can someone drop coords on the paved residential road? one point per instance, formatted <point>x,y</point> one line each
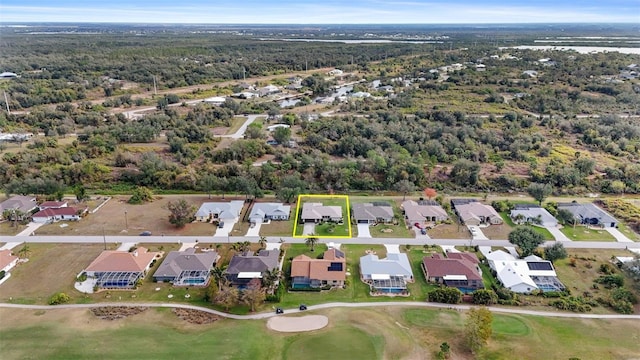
<point>265,315</point>
<point>292,240</point>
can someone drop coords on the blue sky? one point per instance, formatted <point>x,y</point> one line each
<point>321,12</point>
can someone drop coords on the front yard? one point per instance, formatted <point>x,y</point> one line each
<point>582,233</point>
<point>325,228</point>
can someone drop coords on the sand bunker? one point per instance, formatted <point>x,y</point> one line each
<point>296,324</point>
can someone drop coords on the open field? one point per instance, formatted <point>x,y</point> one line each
<point>153,216</point>
<point>582,233</point>
<point>382,333</point>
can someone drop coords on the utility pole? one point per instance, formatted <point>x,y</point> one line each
<point>244,74</point>
<point>104,238</point>
<point>126,224</point>
<point>6,102</point>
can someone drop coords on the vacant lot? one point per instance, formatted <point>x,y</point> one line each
<point>117,217</point>
<point>51,268</point>
<point>382,333</point>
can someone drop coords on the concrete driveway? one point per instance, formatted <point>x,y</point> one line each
<point>309,228</point>
<point>557,234</point>
<point>31,227</point>
<point>363,231</point>
<point>255,230</point>
<point>620,237</point>
<point>476,233</point>
<point>225,230</point>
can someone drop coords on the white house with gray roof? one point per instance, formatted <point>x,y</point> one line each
<point>263,212</point>
<point>527,213</point>
<point>372,213</point>
<point>186,268</point>
<point>589,214</point>
<point>23,205</point>
<point>389,275</point>
<point>211,211</point>
<point>317,212</point>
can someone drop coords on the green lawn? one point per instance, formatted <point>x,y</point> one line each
<point>487,278</point>
<point>540,230</point>
<point>391,231</point>
<point>628,232</point>
<point>419,289</point>
<point>582,233</point>
<point>353,341</point>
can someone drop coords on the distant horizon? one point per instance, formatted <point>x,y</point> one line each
<point>316,12</point>
<point>14,23</point>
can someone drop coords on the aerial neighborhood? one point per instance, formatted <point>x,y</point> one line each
<point>309,191</point>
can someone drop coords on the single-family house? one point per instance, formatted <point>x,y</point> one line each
<point>589,214</point>
<point>8,75</point>
<point>524,275</point>
<point>186,268</point>
<point>114,269</point>
<point>263,212</point>
<point>388,275</point>
<point>53,205</point>
<point>473,212</point>
<point>372,213</point>
<point>328,271</point>
<point>50,215</point>
<point>215,100</point>
<point>335,72</point>
<point>23,205</point>
<point>219,211</point>
<point>459,270</point>
<point>248,268</point>
<point>7,260</point>
<point>533,214</point>
<point>268,90</point>
<point>273,127</point>
<point>423,211</point>
<point>317,212</point>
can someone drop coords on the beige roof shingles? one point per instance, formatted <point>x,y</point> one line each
<point>113,260</point>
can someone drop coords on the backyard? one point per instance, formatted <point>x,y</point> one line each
<point>381,333</point>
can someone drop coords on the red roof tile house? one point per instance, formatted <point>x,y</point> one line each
<point>458,270</point>
<point>50,215</point>
<point>114,269</point>
<point>328,271</point>
<point>7,260</point>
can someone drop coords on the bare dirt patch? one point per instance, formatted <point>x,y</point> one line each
<point>116,312</point>
<point>297,324</point>
<point>195,316</point>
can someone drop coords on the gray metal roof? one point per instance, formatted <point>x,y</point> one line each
<point>587,211</point>
<point>265,260</point>
<point>369,211</point>
<point>179,261</point>
<point>395,264</point>
<point>271,209</point>
<point>224,210</point>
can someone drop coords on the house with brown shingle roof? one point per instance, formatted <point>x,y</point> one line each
<point>114,269</point>
<point>473,212</point>
<point>328,271</point>
<point>458,270</point>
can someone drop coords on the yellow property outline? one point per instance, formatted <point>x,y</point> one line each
<point>347,220</point>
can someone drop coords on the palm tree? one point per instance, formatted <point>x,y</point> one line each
<point>24,252</point>
<point>262,242</point>
<point>311,241</point>
<point>218,274</point>
<point>270,277</point>
<point>241,246</point>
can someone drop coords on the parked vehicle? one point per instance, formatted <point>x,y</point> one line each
<point>220,224</point>
<point>303,307</point>
<point>279,311</point>
<point>145,233</point>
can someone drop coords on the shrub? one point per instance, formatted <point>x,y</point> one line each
<point>445,295</point>
<point>484,297</point>
<point>622,307</point>
<point>82,277</point>
<point>622,294</point>
<point>610,281</point>
<point>607,269</point>
<point>59,298</point>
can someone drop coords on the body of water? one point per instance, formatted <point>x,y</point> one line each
<point>580,49</point>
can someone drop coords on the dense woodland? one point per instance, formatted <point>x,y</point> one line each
<point>465,130</point>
